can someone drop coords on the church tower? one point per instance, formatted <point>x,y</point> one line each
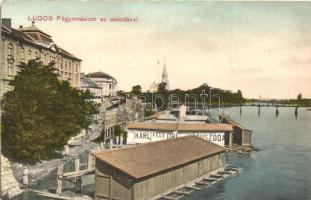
<point>165,77</point>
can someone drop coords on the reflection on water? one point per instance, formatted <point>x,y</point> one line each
<point>281,169</point>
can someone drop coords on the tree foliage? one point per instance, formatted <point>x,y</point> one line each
<point>41,113</point>
<point>136,90</point>
<point>162,88</point>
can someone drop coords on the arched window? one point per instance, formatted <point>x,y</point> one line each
<point>10,49</point>
<point>29,54</point>
<point>22,51</point>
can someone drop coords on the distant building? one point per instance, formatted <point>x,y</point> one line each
<point>26,43</point>
<point>88,84</point>
<point>154,86</point>
<point>105,81</point>
<point>152,170</point>
<point>165,77</point>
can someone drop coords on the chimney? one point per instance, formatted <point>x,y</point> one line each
<point>6,22</point>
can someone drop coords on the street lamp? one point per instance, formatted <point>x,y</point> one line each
<point>219,97</point>
<point>203,100</point>
<point>195,99</point>
<point>210,98</point>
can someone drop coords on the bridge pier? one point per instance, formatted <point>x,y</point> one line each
<point>296,111</point>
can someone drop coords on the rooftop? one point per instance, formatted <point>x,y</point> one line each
<point>148,159</point>
<point>34,36</point>
<point>100,75</point>
<point>86,82</point>
<point>180,126</point>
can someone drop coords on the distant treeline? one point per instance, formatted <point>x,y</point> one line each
<point>224,97</point>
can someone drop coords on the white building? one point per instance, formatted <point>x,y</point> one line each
<point>144,132</point>
<point>105,81</point>
<point>88,84</point>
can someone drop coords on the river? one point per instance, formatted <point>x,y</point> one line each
<point>280,169</point>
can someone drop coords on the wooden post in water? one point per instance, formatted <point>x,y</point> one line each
<point>66,149</point>
<point>230,139</point>
<point>25,177</point>
<point>59,179</point>
<point>277,111</point>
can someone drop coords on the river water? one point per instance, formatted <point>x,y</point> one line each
<point>280,169</point>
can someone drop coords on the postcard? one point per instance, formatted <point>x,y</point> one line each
<point>146,100</point>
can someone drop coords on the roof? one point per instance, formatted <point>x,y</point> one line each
<point>100,75</point>
<point>35,37</point>
<point>156,115</point>
<point>154,157</point>
<point>88,82</point>
<point>33,28</point>
<point>179,126</point>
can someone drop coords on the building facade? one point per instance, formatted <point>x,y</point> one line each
<point>27,43</point>
<point>106,82</point>
<point>152,170</point>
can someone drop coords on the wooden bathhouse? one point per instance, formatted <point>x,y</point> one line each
<point>151,170</point>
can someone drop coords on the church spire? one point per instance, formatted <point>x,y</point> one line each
<point>164,76</point>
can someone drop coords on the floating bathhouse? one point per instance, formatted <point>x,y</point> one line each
<point>149,171</point>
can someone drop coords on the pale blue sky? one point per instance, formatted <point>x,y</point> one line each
<point>262,48</point>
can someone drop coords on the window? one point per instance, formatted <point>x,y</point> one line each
<point>10,49</point>
<point>29,54</point>
<point>65,65</point>
<point>36,54</point>
<point>10,68</point>
<point>22,51</point>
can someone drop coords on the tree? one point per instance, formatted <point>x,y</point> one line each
<point>136,90</point>
<point>41,113</point>
<point>299,96</point>
<point>162,88</point>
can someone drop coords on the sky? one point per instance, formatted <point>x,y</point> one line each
<point>261,48</point>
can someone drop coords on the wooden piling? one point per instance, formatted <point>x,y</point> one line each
<point>25,177</point>
<point>78,177</point>
<point>59,179</point>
